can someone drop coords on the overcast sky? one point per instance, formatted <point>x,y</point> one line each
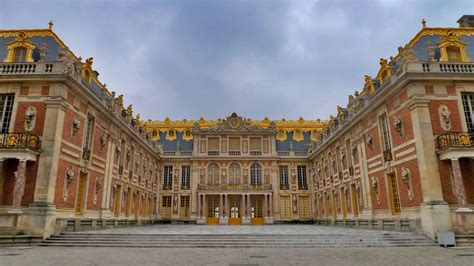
<point>187,59</point>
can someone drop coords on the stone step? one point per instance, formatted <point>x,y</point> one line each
<point>283,245</point>
<point>236,242</point>
<point>20,240</point>
<point>232,239</point>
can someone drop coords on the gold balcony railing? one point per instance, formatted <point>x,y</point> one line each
<point>20,141</point>
<point>455,140</point>
<point>242,187</point>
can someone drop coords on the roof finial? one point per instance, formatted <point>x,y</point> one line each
<point>51,24</point>
<point>423,23</point>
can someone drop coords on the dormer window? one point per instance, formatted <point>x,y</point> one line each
<point>20,50</point>
<point>454,54</point>
<point>19,55</point>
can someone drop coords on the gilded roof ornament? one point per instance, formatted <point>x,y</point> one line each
<point>51,24</point>
<point>423,23</point>
<point>129,110</point>
<point>368,85</point>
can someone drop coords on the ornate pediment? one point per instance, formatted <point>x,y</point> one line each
<point>234,124</point>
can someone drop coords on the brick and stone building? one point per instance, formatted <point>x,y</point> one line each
<point>398,155</point>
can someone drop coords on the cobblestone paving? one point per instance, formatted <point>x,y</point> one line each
<point>147,256</point>
<point>244,229</point>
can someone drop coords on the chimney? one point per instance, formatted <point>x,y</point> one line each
<point>466,21</point>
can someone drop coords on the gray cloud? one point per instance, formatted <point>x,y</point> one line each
<point>187,59</point>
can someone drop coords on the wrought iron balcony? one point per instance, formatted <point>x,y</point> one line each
<point>20,141</point>
<point>455,140</point>
<point>285,186</point>
<point>241,187</point>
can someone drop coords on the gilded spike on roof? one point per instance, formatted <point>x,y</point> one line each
<point>51,24</point>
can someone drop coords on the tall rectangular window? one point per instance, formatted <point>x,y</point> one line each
<point>6,107</point>
<point>284,184</point>
<point>185,177</point>
<point>168,177</point>
<point>387,144</point>
<point>88,134</point>
<point>213,146</point>
<point>234,146</point>
<point>468,106</point>
<point>255,146</point>
<point>302,180</point>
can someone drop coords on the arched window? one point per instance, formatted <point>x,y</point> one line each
<point>213,174</point>
<point>234,174</point>
<point>255,174</point>
<point>19,54</point>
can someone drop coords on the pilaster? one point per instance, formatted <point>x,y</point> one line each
<point>434,211</point>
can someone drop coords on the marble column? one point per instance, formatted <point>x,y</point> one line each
<point>459,186</point>
<point>199,206</point>
<point>19,189</point>
<point>221,206</point>
<point>247,207</point>
<point>2,178</point>
<point>270,197</point>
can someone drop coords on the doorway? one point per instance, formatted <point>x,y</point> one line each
<point>256,210</point>
<point>235,208</point>
<point>213,210</point>
<point>81,194</point>
<point>394,195</point>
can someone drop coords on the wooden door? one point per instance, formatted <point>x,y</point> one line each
<point>127,202</point>
<point>355,203</point>
<point>343,203</point>
<point>136,205</point>
<point>118,193</point>
<point>166,207</point>
<point>394,196</point>
<point>213,210</point>
<point>256,210</point>
<point>81,193</point>
<point>334,204</point>
<point>285,207</point>
<point>235,208</point>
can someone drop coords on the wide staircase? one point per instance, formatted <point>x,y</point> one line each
<point>94,239</point>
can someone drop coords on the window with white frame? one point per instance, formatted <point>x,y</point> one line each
<point>302,178</point>
<point>234,174</point>
<point>213,174</point>
<point>255,174</point>
<point>284,183</point>
<point>468,106</point>
<point>6,107</point>
<point>168,177</point>
<point>185,176</point>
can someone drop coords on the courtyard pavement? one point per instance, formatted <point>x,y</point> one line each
<point>237,257</point>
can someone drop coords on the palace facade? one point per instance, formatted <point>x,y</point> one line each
<point>399,155</point>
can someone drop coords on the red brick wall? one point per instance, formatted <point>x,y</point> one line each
<point>19,126</point>
<point>455,116</point>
